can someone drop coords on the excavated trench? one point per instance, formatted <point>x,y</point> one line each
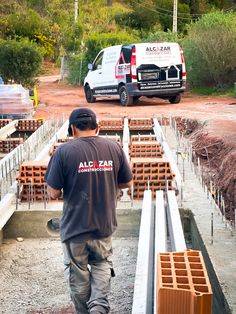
<point>217,159</point>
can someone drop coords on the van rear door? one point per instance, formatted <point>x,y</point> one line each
<point>159,66</point>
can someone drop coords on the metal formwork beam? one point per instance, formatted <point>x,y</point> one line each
<point>125,142</point>
<point>160,224</point>
<point>143,286</point>
<point>174,224</point>
<point>160,237</point>
<point>126,138</point>
<point>6,209</point>
<point>8,129</point>
<point>162,140</point>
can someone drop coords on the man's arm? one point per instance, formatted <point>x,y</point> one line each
<point>53,193</point>
<point>125,185</point>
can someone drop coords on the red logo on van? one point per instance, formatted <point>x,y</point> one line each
<point>158,50</point>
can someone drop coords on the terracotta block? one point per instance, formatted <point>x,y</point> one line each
<point>28,124</point>
<point>111,124</point>
<point>4,122</point>
<point>183,286</point>
<point>143,138</point>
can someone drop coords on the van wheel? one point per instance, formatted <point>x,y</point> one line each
<point>175,99</point>
<point>89,94</point>
<point>125,99</point>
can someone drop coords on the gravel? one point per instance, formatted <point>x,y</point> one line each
<point>31,277</point>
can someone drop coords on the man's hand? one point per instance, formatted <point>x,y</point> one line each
<point>53,193</point>
<point>125,185</point>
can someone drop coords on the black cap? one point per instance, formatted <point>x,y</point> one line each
<point>81,114</point>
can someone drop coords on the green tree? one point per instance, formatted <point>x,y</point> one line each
<point>20,61</point>
<point>142,17</point>
<point>165,14</point>
<point>26,24</point>
<point>210,50</point>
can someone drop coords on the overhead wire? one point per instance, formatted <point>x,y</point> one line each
<point>180,15</point>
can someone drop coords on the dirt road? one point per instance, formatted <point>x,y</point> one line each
<point>218,113</point>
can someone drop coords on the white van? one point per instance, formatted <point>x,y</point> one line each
<point>135,70</point>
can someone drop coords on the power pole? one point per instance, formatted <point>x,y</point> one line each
<point>76,10</point>
<point>175,9</point>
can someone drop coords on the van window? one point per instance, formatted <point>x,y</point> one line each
<point>98,61</point>
<point>127,51</point>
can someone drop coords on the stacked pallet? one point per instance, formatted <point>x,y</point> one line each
<point>183,286</point>
<point>30,125</point>
<point>15,101</point>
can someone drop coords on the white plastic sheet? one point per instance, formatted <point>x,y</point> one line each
<point>15,101</point>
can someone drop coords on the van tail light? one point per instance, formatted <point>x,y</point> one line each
<point>183,65</point>
<point>133,64</point>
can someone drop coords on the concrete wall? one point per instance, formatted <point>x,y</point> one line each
<point>34,224</point>
<point>220,304</point>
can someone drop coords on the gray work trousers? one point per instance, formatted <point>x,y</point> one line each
<point>88,270</point>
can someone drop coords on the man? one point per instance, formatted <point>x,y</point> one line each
<point>89,170</point>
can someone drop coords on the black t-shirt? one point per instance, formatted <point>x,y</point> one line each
<point>88,170</point>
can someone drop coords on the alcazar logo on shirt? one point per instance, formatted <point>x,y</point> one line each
<point>93,166</point>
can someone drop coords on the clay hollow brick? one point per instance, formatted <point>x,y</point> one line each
<point>183,286</point>
<point>28,124</point>
<point>4,122</point>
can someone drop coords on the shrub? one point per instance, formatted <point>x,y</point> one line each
<point>19,61</point>
<point>161,36</point>
<point>210,50</point>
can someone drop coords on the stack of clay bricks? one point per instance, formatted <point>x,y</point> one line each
<point>60,141</point>
<point>183,286</point>
<point>115,138</point>
<point>30,125</point>
<point>53,148</point>
<point>145,149</point>
<point>153,173</point>
<point>141,138</point>
<point>8,144</point>
<point>141,124</point>
<point>111,124</point>
<point>31,181</point>
<point>4,122</point>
